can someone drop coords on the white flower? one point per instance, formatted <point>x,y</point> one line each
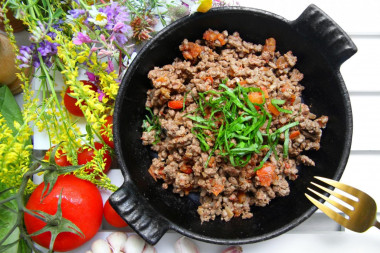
<point>198,5</point>
<point>98,18</point>
<point>192,5</point>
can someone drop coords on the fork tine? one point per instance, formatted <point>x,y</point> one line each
<point>338,195</point>
<point>333,202</point>
<point>346,188</point>
<point>329,212</point>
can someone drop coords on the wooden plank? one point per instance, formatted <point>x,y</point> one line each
<point>290,242</point>
<point>355,18</point>
<point>360,71</point>
<point>365,109</point>
<point>362,172</point>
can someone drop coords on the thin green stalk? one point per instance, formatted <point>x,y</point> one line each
<point>54,96</point>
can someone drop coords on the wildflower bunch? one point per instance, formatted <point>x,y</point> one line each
<point>69,38</point>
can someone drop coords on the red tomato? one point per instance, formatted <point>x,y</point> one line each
<point>70,101</point>
<point>109,123</point>
<point>81,204</point>
<point>85,155</point>
<point>112,217</point>
<point>61,160</point>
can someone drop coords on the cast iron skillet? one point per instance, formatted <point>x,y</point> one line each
<point>321,47</point>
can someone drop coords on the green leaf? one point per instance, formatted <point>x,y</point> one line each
<point>8,219</point>
<point>10,247</point>
<point>9,108</point>
<point>57,13</point>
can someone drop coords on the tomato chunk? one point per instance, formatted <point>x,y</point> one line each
<point>273,109</point>
<point>175,104</point>
<point>255,97</point>
<point>266,174</point>
<point>294,134</point>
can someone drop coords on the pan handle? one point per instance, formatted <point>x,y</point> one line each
<point>137,212</point>
<point>320,28</point>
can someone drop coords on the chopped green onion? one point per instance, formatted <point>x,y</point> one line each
<point>276,102</point>
<point>240,127</point>
<point>150,123</point>
<point>286,143</point>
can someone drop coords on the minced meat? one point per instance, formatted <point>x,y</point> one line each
<point>228,191</point>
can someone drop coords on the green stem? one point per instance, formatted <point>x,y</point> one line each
<point>54,95</point>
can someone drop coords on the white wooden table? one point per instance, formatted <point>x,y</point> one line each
<point>361,20</point>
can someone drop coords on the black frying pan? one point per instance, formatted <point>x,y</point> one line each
<point>321,47</point>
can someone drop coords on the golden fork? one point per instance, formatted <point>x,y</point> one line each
<point>360,212</point>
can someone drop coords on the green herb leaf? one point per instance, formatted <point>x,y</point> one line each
<point>286,143</point>
<point>8,219</point>
<point>9,108</point>
<point>151,123</point>
<point>276,102</point>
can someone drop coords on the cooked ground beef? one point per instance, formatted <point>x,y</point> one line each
<point>225,190</point>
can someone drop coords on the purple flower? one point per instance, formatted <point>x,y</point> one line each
<point>25,56</point>
<point>47,48</point>
<point>92,77</point>
<point>101,95</point>
<point>56,26</point>
<point>29,54</point>
<point>118,19</point>
<point>81,38</point>
<point>76,13</point>
<point>36,61</point>
<point>110,67</point>
<point>115,13</point>
<point>52,35</point>
<point>119,26</point>
<point>120,38</point>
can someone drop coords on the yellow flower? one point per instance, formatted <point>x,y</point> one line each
<point>200,5</point>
